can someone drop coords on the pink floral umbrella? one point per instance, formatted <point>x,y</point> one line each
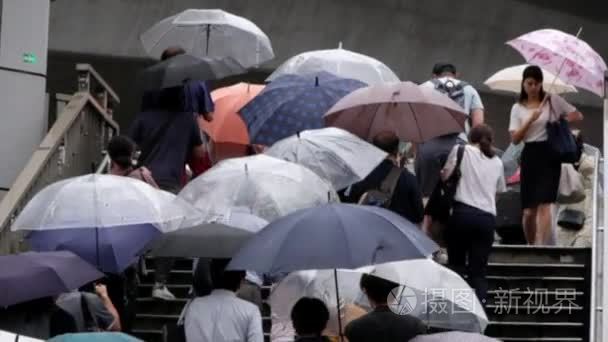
<point>569,57</point>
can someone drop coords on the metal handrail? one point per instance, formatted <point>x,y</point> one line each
<point>597,243</point>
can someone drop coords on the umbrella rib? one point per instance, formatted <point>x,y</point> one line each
<point>416,119</point>
<point>372,120</point>
<point>161,38</point>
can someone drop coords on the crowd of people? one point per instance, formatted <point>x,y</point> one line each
<point>168,137</point>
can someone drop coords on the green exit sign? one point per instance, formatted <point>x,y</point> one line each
<point>30,58</point>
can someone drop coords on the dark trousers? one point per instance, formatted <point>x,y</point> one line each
<point>164,265</point>
<point>469,237</point>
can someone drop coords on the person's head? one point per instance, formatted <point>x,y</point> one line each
<point>121,150</point>
<point>309,316</point>
<point>172,52</point>
<point>444,70</point>
<point>388,142</point>
<point>223,279</point>
<point>532,84</point>
<point>483,135</point>
<point>376,289</point>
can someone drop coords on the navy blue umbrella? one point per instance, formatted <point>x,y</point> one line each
<point>294,103</point>
<point>333,236</point>
<point>33,275</point>
<point>111,249</point>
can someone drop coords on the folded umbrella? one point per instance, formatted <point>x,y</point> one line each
<point>340,62</point>
<point>95,337</point>
<point>332,153</point>
<point>510,79</point>
<point>220,239</point>
<point>292,103</point>
<point>333,236</point>
<point>177,70</point>
<point>268,187</point>
<point>567,56</point>
<point>34,275</point>
<point>414,113</point>
<point>210,33</point>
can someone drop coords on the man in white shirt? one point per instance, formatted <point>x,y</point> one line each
<point>221,316</point>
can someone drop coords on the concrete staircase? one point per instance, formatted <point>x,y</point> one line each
<point>536,294</point>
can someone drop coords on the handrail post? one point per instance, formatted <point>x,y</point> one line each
<point>91,82</point>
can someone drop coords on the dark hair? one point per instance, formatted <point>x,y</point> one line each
<point>309,316</point>
<point>172,52</point>
<point>121,149</point>
<point>484,136</point>
<point>377,289</point>
<point>536,73</point>
<point>441,68</point>
<point>226,280</point>
<point>387,141</point>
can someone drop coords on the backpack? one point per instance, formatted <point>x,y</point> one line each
<point>454,90</point>
<point>383,195</point>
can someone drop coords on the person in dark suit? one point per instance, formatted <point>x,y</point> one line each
<point>309,317</point>
<point>381,324</point>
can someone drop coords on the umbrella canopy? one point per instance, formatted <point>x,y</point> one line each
<point>95,337</point>
<point>32,275</point>
<point>104,201</point>
<point>177,70</point>
<point>221,239</point>
<point>332,153</point>
<point>210,33</point>
<point>340,62</point>
<point>565,55</point>
<point>510,79</point>
<point>227,130</point>
<point>6,336</point>
<point>454,336</point>
<point>293,103</point>
<point>414,113</point>
<point>333,236</point>
<point>268,187</point>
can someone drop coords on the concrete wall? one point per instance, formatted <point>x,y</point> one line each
<point>408,35</point>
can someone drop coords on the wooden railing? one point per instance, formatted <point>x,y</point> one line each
<point>73,146</point>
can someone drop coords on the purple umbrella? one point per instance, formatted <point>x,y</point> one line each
<point>34,275</point>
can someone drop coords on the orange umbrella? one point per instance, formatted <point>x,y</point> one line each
<point>228,132</point>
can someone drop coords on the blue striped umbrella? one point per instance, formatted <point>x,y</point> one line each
<point>294,103</point>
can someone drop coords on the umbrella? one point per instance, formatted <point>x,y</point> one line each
<point>509,79</point>
<point>454,336</point>
<point>340,62</point>
<point>210,33</point>
<point>333,236</point>
<point>177,70</point>
<point>572,59</point>
<point>227,130</point>
<point>95,337</point>
<point>293,103</point>
<point>6,336</point>
<point>332,153</point>
<point>220,239</point>
<point>268,187</point>
<point>33,275</point>
<point>414,113</point>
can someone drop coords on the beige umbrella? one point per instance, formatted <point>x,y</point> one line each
<point>509,79</point>
<point>414,113</point>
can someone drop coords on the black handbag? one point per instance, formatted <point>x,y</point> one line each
<point>561,139</point>
<point>441,201</point>
<point>571,219</point>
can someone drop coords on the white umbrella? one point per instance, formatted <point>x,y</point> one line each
<point>509,79</point>
<point>267,186</point>
<point>210,33</point>
<point>104,201</point>
<point>332,153</point>
<point>340,62</point>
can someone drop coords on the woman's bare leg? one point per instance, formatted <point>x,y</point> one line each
<point>544,225</point>
<point>529,223</point>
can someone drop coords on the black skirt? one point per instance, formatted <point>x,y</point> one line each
<point>540,173</point>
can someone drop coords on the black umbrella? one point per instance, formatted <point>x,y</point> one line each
<point>176,70</point>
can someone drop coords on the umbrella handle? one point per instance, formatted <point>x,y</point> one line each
<point>559,71</point>
<point>338,306</point>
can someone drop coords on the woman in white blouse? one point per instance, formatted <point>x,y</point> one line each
<point>470,231</point>
<point>540,168</point>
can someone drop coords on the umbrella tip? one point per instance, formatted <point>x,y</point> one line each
<point>298,134</point>
<point>340,45</point>
<point>316,81</point>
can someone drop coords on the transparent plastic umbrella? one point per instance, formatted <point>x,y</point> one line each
<point>332,153</point>
<point>509,80</point>
<point>268,187</point>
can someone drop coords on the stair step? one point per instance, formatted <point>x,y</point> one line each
<point>499,297</point>
<point>511,283</point>
<point>153,321</point>
<point>179,290</point>
<point>539,254</point>
<point>182,277</point>
<point>182,264</point>
<point>536,313</point>
<point>529,269</point>
<point>149,335</point>
<point>151,305</point>
<point>528,330</point>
